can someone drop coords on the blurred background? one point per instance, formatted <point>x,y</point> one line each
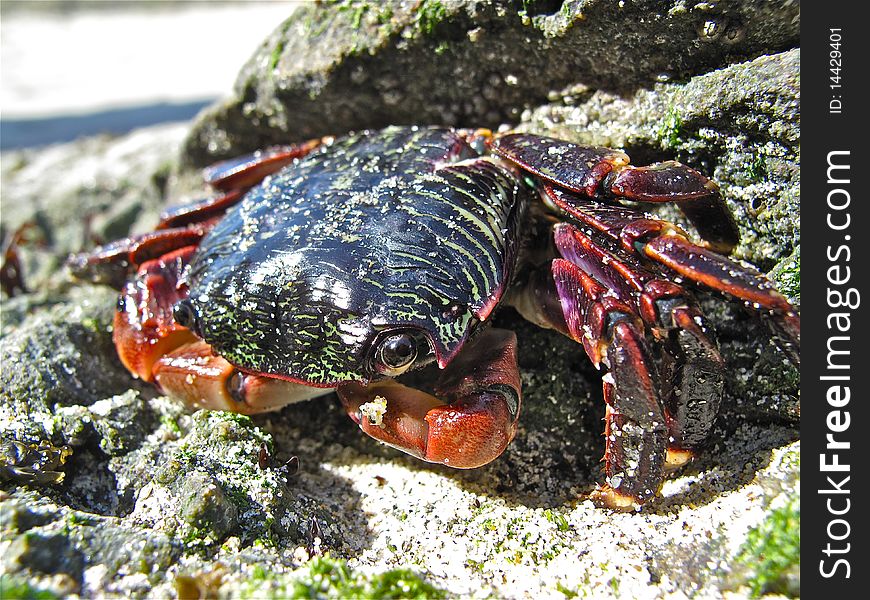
<point>70,68</point>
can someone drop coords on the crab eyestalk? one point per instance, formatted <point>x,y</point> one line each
<point>467,423</point>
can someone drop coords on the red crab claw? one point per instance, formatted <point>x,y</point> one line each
<point>467,423</point>
<point>144,329</point>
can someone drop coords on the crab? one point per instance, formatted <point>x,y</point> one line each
<point>370,265</point>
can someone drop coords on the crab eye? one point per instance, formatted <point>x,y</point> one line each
<point>184,314</point>
<point>395,354</point>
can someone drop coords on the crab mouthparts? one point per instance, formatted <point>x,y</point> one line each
<point>469,419</point>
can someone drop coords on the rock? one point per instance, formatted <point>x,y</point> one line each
<point>740,123</point>
<point>350,65</point>
<point>205,506</point>
<point>47,554</point>
<point>122,422</point>
<point>61,355</point>
<point>82,553</point>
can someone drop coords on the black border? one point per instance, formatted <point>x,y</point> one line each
<point>821,133</point>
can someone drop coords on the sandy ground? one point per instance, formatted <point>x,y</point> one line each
<point>58,65</point>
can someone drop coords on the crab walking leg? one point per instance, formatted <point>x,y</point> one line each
<point>186,224</point>
<point>234,177</point>
<point>636,431</point>
<point>469,420</point>
<point>198,211</point>
<point>11,279</point>
<point>594,172</point>
<point>665,244</point>
<point>569,300</point>
<point>722,274</point>
<point>690,366</point>
<point>113,263</point>
<point>195,375</point>
<point>248,170</point>
<point>696,195</point>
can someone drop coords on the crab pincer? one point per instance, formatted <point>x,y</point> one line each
<point>466,422</point>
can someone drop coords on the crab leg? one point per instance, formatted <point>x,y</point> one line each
<point>603,298</point>
<point>666,245</point>
<point>185,225</point>
<point>691,368</point>
<point>198,211</point>
<point>234,177</point>
<point>601,172</point>
<point>466,423</point>
<point>636,429</point>
<point>248,170</point>
<point>11,278</point>
<point>113,263</point>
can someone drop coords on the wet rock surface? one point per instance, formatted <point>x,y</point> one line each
<point>471,63</point>
<point>155,500</point>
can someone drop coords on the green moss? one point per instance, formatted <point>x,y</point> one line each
<point>557,519</point>
<point>771,551</point>
<point>259,574</point>
<point>276,55</point>
<point>269,539</point>
<point>474,565</point>
<point>670,129</point>
<point>401,583</point>
<point>791,459</point>
<point>196,537</point>
<point>355,10</point>
<point>170,423</point>
<point>429,15</point>
<point>787,276</point>
<point>94,325</point>
<point>278,50</point>
<point>326,577</point>
<point>238,496</point>
<point>81,519</point>
<point>756,170</point>
<point>14,588</point>
<point>230,427</point>
<point>385,15</point>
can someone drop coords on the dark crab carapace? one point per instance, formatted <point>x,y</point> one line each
<point>370,265</point>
